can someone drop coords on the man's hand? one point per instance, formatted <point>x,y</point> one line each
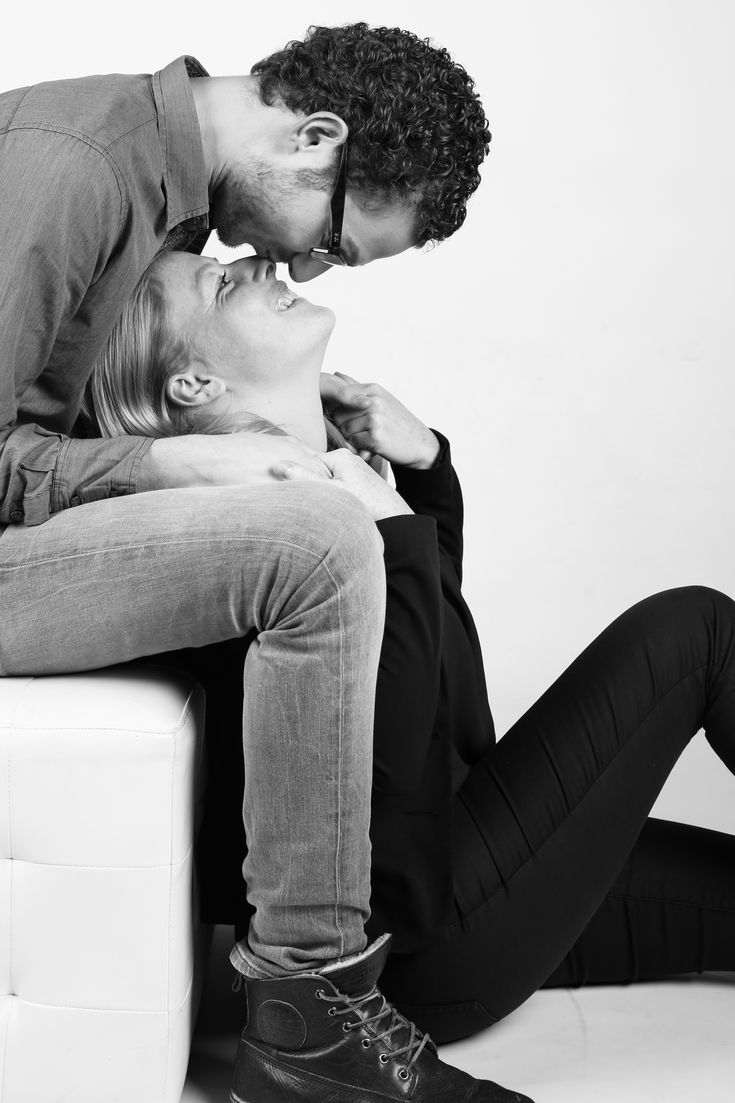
<point>351,473</point>
<point>376,423</point>
<point>224,460</point>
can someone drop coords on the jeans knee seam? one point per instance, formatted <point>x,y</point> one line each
<point>183,543</point>
<point>340,768</point>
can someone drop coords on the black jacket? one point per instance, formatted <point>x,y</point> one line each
<point>432,722</point>
<point>432,718</point>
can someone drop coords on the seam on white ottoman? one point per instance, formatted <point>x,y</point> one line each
<point>109,1010</point>
<point>78,865</point>
<point>164,733</point>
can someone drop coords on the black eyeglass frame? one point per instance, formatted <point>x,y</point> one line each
<point>333,253</point>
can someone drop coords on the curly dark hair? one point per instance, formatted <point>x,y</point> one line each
<point>417,130</point>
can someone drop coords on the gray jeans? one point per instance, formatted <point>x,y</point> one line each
<point>115,580</point>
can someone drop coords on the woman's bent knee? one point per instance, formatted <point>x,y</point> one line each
<point>692,606</point>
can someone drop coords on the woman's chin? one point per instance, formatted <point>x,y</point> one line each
<point>322,315</point>
<point>314,325</point>
<point>330,318</point>
<point>315,309</point>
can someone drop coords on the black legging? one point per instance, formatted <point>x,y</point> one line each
<point>559,877</point>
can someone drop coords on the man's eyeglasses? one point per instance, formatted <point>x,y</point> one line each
<point>333,253</point>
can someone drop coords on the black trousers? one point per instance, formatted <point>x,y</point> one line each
<point>560,877</point>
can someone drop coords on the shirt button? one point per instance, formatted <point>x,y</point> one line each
<point>16,515</point>
<point>75,500</point>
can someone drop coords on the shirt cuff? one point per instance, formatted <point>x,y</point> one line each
<point>419,483</point>
<point>89,470</point>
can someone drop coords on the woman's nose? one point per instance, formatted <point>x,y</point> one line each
<point>256,269</point>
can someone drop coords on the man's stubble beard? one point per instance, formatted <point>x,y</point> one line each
<point>238,207</point>
<point>253,201</point>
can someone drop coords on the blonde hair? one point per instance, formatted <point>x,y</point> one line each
<point>126,393</point>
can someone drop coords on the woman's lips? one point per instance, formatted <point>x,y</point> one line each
<point>285,299</point>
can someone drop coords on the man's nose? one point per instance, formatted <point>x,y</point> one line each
<point>302,268</point>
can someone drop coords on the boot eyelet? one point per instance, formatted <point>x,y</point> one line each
<point>332,1011</point>
<point>366,1043</point>
<point>319,994</point>
<point>347,1027</point>
<point>383,1058</point>
<point>403,1074</point>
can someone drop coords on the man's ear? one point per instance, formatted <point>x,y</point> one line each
<point>318,133</point>
<point>194,387</point>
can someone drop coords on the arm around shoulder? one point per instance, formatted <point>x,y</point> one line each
<point>221,460</point>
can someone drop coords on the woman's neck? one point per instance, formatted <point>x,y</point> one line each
<point>293,404</point>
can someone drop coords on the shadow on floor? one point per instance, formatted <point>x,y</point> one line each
<point>668,1042</point>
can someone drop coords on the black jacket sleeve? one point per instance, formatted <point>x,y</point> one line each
<point>436,493</point>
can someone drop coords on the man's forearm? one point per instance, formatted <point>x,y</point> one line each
<point>221,460</point>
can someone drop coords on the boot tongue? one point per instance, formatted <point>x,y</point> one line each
<point>359,975</point>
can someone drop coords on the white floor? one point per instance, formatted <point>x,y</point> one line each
<point>651,1043</point>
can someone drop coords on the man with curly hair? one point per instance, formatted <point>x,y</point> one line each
<point>348,147</point>
<point>399,114</point>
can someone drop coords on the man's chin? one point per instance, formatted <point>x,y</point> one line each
<point>230,237</point>
<point>235,239</point>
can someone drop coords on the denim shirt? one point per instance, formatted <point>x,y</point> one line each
<point>97,174</point>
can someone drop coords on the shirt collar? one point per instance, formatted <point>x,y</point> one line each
<point>184,171</point>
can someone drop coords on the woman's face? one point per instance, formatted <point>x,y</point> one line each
<point>239,317</point>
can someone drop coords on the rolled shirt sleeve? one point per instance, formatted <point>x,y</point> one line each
<point>44,472</point>
<point>87,470</point>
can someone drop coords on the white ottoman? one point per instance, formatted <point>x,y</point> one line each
<point>100,775</point>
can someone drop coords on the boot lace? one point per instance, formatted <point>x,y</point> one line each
<point>381,1028</point>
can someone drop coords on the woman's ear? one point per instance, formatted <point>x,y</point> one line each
<point>194,387</point>
<point>318,133</point>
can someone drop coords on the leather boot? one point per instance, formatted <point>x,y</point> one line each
<point>331,1037</point>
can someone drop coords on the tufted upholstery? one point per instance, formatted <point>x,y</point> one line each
<point>100,777</point>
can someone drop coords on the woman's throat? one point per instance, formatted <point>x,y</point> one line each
<point>298,414</point>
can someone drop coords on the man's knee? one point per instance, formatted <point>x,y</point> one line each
<point>336,524</point>
<point>355,536</point>
<point>325,545</point>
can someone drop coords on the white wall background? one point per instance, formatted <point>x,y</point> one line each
<point>575,339</point>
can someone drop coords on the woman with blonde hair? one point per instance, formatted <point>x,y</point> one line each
<point>498,866</point>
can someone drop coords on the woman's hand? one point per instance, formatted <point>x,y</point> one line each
<point>376,423</point>
<point>354,475</point>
